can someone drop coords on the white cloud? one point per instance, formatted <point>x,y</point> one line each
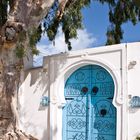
<point>84,40</point>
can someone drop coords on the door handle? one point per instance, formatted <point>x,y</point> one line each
<point>103,112</point>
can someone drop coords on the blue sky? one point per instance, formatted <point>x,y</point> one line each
<point>95,20</point>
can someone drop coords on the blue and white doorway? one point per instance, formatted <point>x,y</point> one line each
<point>89,113</point>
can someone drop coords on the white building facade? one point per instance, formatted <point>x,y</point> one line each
<point>93,95</point>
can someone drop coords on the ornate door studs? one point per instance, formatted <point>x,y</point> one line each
<point>95,90</point>
<point>84,90</point>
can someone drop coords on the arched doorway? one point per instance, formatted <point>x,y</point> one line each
<point>89,113</point>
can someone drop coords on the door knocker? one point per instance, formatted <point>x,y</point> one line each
<point>103,112</point>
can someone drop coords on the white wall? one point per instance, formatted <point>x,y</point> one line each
<point>133,55</point>
<point>33,117</point>
<point>36,120</point>
<point>112,58</point>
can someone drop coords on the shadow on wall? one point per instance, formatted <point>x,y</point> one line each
<point>35,119</point>
<point>45,134</point>
<point>39,79</point>
<point>56,63</point>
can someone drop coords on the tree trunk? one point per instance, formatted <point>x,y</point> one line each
<point>10,67</point>
<point>23,16</point>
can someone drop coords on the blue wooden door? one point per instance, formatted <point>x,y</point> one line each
<point>89,113</point>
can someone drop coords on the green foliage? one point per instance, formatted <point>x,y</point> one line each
<point>20,51</point>
<point>137,138</point>
<point>137,2</point>
<point>70,22</point>
<point>34,37</point>
<point>22,36</point>
<point>3,11</point>
<point>120,12</point>
<point>52,29</point>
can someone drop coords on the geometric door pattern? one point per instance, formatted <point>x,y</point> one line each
<point>89,113</point>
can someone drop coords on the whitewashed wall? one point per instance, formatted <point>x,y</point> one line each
<point>60,67</point>
<point>133,54</point>
<point>45,123</point>
<point>33,117</point>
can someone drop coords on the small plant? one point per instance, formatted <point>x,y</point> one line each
<point>138,138</point>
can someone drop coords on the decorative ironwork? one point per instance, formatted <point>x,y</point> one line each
<point>101,75</point>
<point>100,138</point>
<point>88,106</point>
<point>104,137</point>
<point>103,126</point>
<point>44,101</point>
<point>107,88</point>
<point>135,102</point>
<point>104,105</point>
<point>80,76</point>
<point>76,108</point>
<point>76,123</point>
<point>78,136</point>
<point>73,89</point>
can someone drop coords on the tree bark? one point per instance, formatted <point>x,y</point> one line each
<point>23,16</point>
<point>10,68</point>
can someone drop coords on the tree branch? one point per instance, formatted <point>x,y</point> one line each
<point>62,5</point>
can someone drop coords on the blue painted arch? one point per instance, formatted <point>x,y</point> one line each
<point>89,113</point>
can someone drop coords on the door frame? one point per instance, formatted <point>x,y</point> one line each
<point>58,101</point>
